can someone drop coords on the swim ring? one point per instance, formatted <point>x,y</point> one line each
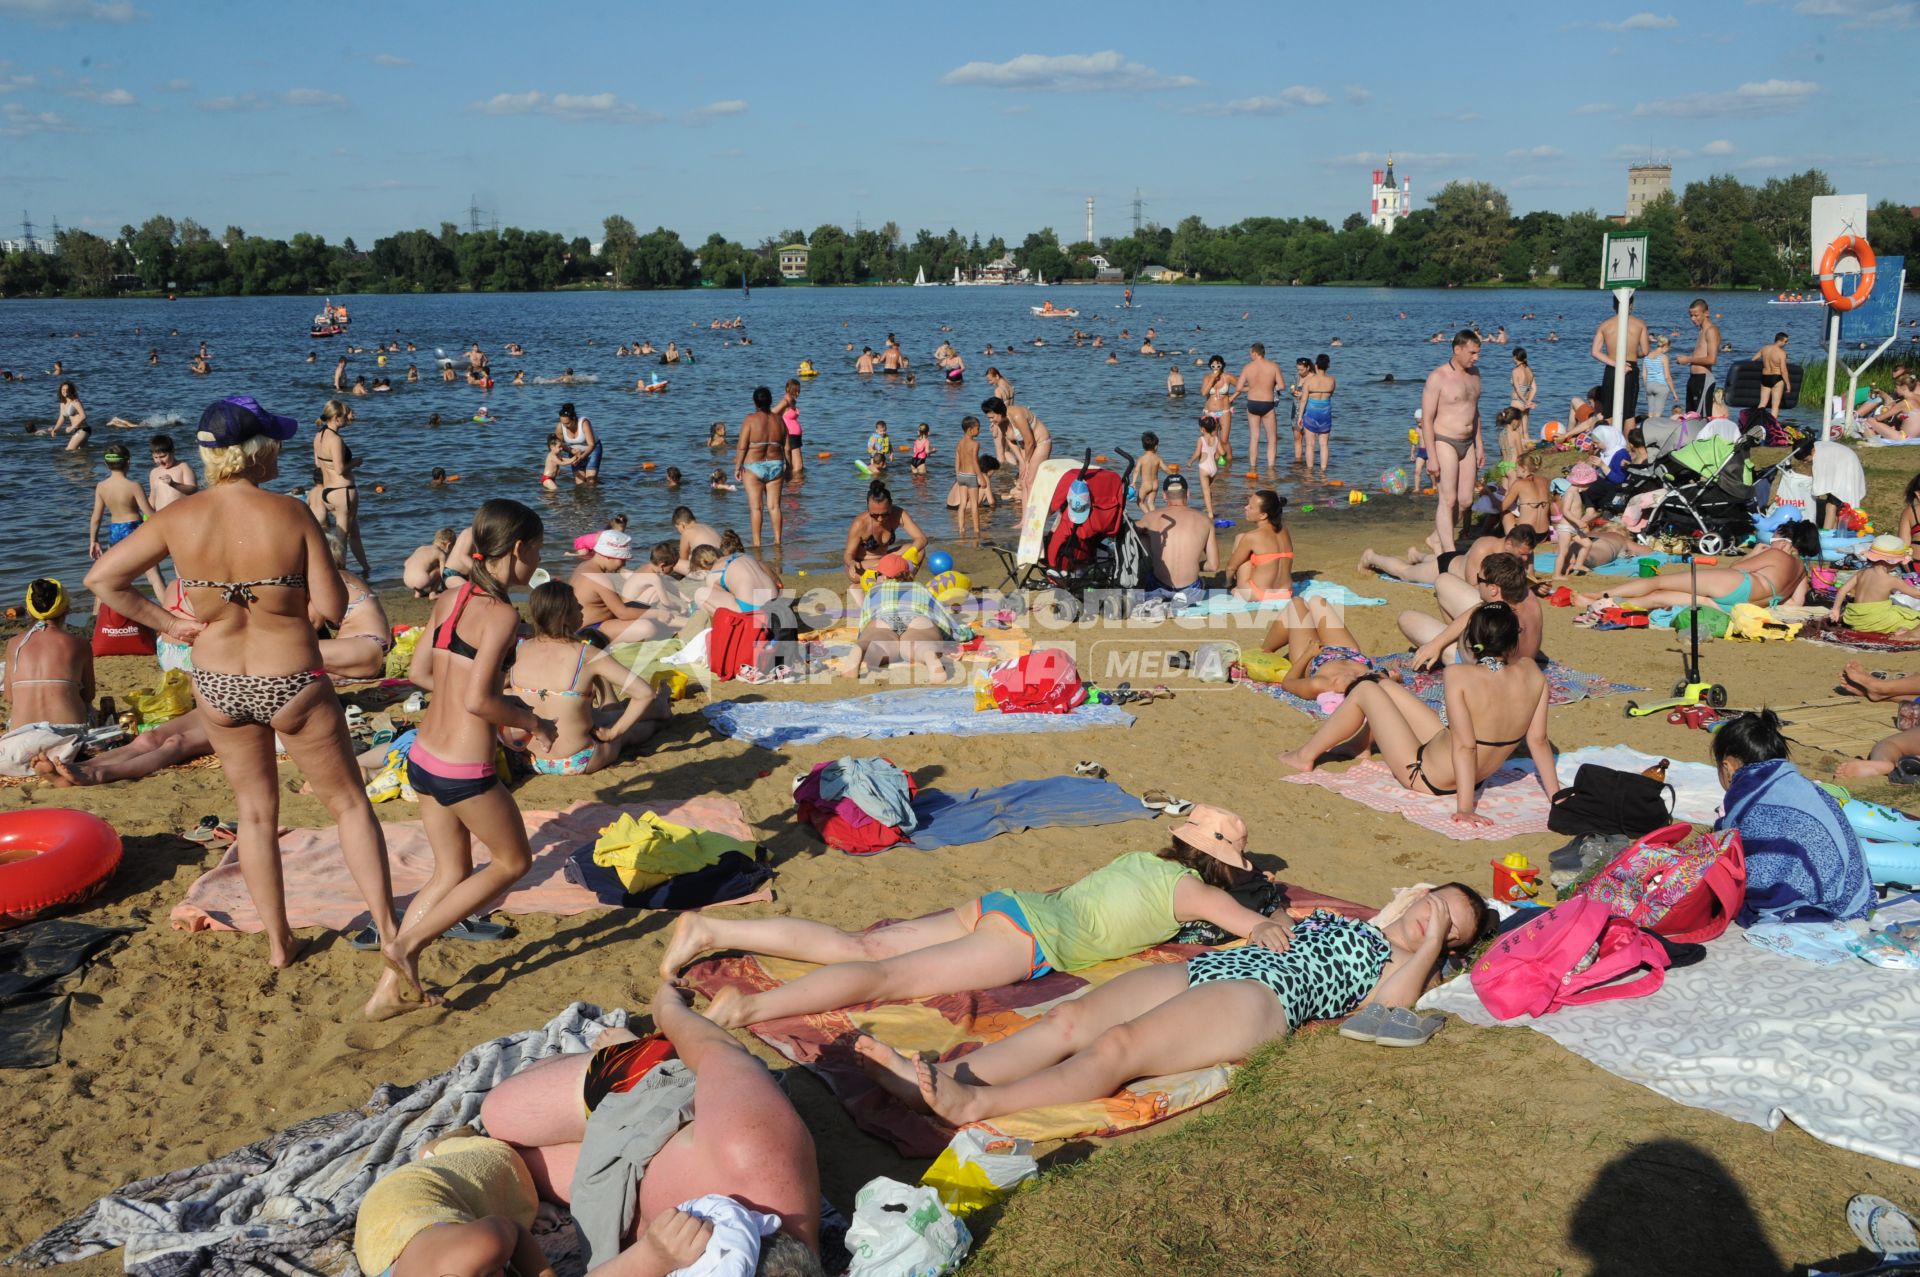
<point>1889,862</point>
<point>52,856</point>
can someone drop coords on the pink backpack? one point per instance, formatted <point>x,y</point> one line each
<point>1685,884</point>
<point>1571,954</point>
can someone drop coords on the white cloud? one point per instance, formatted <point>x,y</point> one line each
<point>18,121</point>
<point>313,97</point>
<point>266,102</point>
<point>1102,72</point>
<point>12,81</point>
<point>1719,146</point>
<point>715,111</point>
<point>391,60</point>
<point>604,107</point>
<point>1358,95</point>
<point>1297,95</point>
<point>87,91</point>
<point>1642,22</point>
<point>1537,153</point>
<point>59,13</point>
<point>1635,154</point>
<point>1595,108</point>
<point>1860,15</point>
<point>177,86</point>
<point>1763,97</point>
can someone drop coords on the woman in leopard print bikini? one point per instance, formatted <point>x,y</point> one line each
<point>1213,1009</point>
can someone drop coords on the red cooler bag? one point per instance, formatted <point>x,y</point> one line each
<point>1041,682</point>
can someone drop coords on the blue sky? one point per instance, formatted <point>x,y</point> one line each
<point>357,119</point>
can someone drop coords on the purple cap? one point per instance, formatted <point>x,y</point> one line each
<point>238,418</point>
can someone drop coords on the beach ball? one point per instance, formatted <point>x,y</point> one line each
<point>1394,481</point>
<point>1550,431</point>
<point>824,455</point>
<point>1253,474</point>
<point>950,587</point>
<point>940,561</point>
<point>648,465</point>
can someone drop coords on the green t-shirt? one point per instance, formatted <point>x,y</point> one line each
<point>1121,908</point>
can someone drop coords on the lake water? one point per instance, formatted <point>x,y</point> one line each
<point>259,347</point>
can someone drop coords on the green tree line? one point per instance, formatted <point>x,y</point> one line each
<point>1716,233</point>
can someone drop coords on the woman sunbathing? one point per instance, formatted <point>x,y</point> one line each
<point>1581,552</point>
<point>1767,575</point>
<point>1133,903</point>
<point>1261,567</point>
<point>1494,705</point>
<point>1325,655</point>
<point>1212,1009</point>
<point>557,676</point>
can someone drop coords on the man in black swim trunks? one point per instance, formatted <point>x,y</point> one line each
<point>1774,374</point>
<point>1706,353</point>
<point>1621,363</point>
<point>1263,383</point>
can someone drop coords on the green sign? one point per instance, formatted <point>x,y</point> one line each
<point>1623,261</point>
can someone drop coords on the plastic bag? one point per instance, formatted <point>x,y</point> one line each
<point>1211,661</point>
<point>973,1172</point>
<point>902,1231</point>
<point>156,705</point>
<point>400,655</point>
<point>391,780</point>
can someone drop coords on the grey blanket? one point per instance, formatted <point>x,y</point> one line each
<point>286,1205</point>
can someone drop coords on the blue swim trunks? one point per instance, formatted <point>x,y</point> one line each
<point>1318,416</point>
<point>1007,907</point>
<point>118,532</point>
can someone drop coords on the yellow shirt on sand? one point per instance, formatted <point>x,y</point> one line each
<point>1121,908</point>
<point>646,850</point>
<point>467,1178</point>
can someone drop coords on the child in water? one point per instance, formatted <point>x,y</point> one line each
<point>583,544</point>
<point>718,481</point>
<point>878,447</point>
<point>124,506</point>
<point>673,476</point>
<point>717,437</point>
<point>1146,475</point>
<point>922,445</point>
<point>425,569</point>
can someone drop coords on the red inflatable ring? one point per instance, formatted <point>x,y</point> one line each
<point>1830,289</point>
<point>52,856</point>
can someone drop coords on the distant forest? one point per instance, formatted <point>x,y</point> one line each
<point>1717,233</point>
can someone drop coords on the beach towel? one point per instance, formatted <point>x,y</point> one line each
<point>1565,685</point>
<point>1760,1037</point>
<point>1625,565</point>
<point>1512,796</point>
<point>1803,860</point>
<point>931,711</point>
<point>950,818</point>
<point>320,893</point>
<point>953,1024</point>
<point>287,1203</point>
<point>42,964</point>
<point>1225,603</point>
<point>735,878</point>
<point>1855,640</point>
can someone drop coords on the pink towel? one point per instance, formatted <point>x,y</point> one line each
<point>320,893</point>
<point>1511,798</point>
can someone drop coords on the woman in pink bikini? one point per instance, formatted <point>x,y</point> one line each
<point>788,412</point>
<point>1262,564</point>
<point>451,766</point>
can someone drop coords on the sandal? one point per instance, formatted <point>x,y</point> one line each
<point>1880,1225</point>
<point>1090,768</point>
<point>1403,1027</point>
<point>1161,800</point>
<point>204,832</point>
<point>475,927</point>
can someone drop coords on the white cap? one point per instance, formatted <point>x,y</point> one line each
<point>613,545</point>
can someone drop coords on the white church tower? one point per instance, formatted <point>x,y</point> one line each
<point>1390,202</point>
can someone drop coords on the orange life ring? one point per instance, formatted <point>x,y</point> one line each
<point>1830,289</point>
<point>52,856</point>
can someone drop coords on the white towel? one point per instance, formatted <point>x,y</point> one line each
<point>734,1248</point>
<point>1837,473</point>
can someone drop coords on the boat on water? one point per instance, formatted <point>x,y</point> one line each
<point>325,330</point>
<point>920,279</point>
<point>1050,311</point>
<point>1795,300</point>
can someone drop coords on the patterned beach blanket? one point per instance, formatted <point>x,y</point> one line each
<point>1565,686</point>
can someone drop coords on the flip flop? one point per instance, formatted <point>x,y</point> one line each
<point>1090,768</point>
<point>473,928</point>
<point>204,832</point>
<point>1161,800</point>
<point>1880,1225</point>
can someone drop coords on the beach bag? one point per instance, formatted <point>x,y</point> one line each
<point>1755,624</point>
<point>1041,682</point>
<point>977,1169</point>
<point>1570,955</point>
<point>899,1230</point>
<point>157,705</point>
<point>115,635</point>
<point>1679,882</point>
<point>1604,800</point>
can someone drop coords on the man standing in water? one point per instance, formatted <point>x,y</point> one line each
<point>1450,411</point>
<point>1706,353</point>
<point>1263,384</point>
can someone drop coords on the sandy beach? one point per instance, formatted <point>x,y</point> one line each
<point>183,1046</point>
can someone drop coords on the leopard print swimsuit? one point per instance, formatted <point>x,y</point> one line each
<point>1329,968</point>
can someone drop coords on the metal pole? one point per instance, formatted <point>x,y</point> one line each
<point>1625,297</point>
<point>1833,358</point>
<point>1853,376</point>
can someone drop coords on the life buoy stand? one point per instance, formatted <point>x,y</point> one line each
<point>1829,281</point>
<point>52,856</point>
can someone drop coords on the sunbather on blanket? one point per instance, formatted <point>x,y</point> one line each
<point>1767,575</point>
<point>1425,569</point>
<point>715,1144</point>
<point>1325,655</point>
<point>176,741</point>
<point>1857,680</point>
<point>1496,696</point>
<point>1212,1009</point>
<point>1133,903</point>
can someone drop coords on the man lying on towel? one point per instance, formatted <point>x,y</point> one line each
<point>670,1151</point>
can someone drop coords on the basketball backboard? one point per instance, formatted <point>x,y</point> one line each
<point>1834,216</point>
<point>1877,318</point>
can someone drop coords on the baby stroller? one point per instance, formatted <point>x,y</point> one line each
<point>1709,493</point>
<point>1076,540</point>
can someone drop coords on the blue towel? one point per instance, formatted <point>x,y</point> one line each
<point>975,815</point>
<point>1627,565</point>
<point>1803,860</point>
<point>1223,602</point>
<point>917,712</point>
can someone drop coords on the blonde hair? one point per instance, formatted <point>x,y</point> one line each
<point>335,410</point>
<point>336,546</point>
<point>444,538</point>
<point>254,460</point>
<point>703,557</point>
